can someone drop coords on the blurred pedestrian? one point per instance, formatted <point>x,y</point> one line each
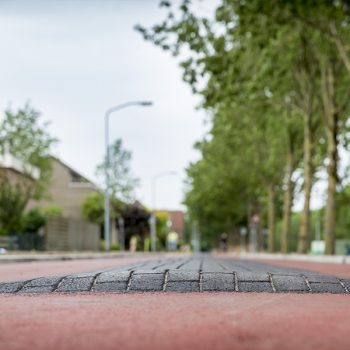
<point>223,242</point>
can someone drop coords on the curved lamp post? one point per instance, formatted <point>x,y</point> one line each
<point>107,201</point>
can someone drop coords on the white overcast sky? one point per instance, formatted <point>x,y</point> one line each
<point>74,59</point>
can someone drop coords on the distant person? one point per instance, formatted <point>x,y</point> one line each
<point>223,242</point>
<point>133,244</point>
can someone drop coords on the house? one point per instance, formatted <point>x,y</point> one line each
<point>68,190</point>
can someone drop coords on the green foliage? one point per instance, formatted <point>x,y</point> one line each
<point>93,207</point>
<point>22,135</point>
<point>343,214</point>
<point>13,200</point>
<point>115,247</point>
<point>102,245</point>
<point>162,228</point>
<point>33,220</point>
<point>257,66</point>
<point>121,181</point>
<point>25,137</point>
<point>53,211</point>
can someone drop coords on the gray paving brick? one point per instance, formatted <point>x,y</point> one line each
<point>10,287</point>
<point>70,284</point>
<point>83,274</point>
<point>254,287</point>
<point>192,265</point>
<point>327,288</point>
<point>148,272</point>
<point>178,275</point>
<point>43,281</point>
<point>211,265</point>
<point>38,289</point>
<point>147,282</point>
<point>183,286</point>
<point>321,278</point>
<point>346,282</point>
<point>110,287</point>
<point>218,282</point>
<point>289,283</point>
<point>113,276</point>
<point>253,277</point>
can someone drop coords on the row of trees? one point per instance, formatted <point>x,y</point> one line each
<point>274,77</point>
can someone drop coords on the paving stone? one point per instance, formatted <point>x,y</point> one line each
<point>346,283</point>
<point>327,288</point>
<point>44,281</point>
<point>178,275</point>
<point>192,265</point>
<point>38,289</point>
<point>211,265</point>
<point>289,283</point>
<point>253,277</point>
<point>10,287</point>
<point>110,287</point>
<point>149,272</point>
<point>84,274</point>
<point>70,284</point>
<point>255,287</point>
<point>218,282</point>
<point>321,278</point>
<point>147,282</point>
<point>182,286</point>
<point>113,276</point>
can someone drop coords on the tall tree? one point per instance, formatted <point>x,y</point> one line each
<point>121,181</point>
<point>24,135</point>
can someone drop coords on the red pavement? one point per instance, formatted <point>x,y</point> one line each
<point>175,321</point>
<point>340,270</point>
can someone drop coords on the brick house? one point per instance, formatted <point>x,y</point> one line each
<point>177,222</point>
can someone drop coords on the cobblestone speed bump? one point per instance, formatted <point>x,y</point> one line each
<point>193,274</point>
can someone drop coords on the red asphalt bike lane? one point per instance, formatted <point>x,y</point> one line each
<point>175,321</point>
<point>340,270</point>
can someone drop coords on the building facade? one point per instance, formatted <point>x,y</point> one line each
<point>68,190</point>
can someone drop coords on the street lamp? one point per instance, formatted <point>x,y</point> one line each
<point>107,201</point>
<point>153,217</point>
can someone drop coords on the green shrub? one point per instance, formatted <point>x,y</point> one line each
<point>53,211</point>
<point>115,247</point>
<point>33,221</point>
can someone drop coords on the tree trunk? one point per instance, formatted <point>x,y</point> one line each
<point>287,202</point>
<point>259,233</point>
<point>342,50</point>
<point>304,232</point>
<point>331,125</point>
<point>271,218</point>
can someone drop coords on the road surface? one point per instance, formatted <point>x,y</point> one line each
<point>202,273</point>
<point>178,303</point>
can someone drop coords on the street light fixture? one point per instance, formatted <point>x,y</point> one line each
<point>107,201</point>
<point>153,217</point>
